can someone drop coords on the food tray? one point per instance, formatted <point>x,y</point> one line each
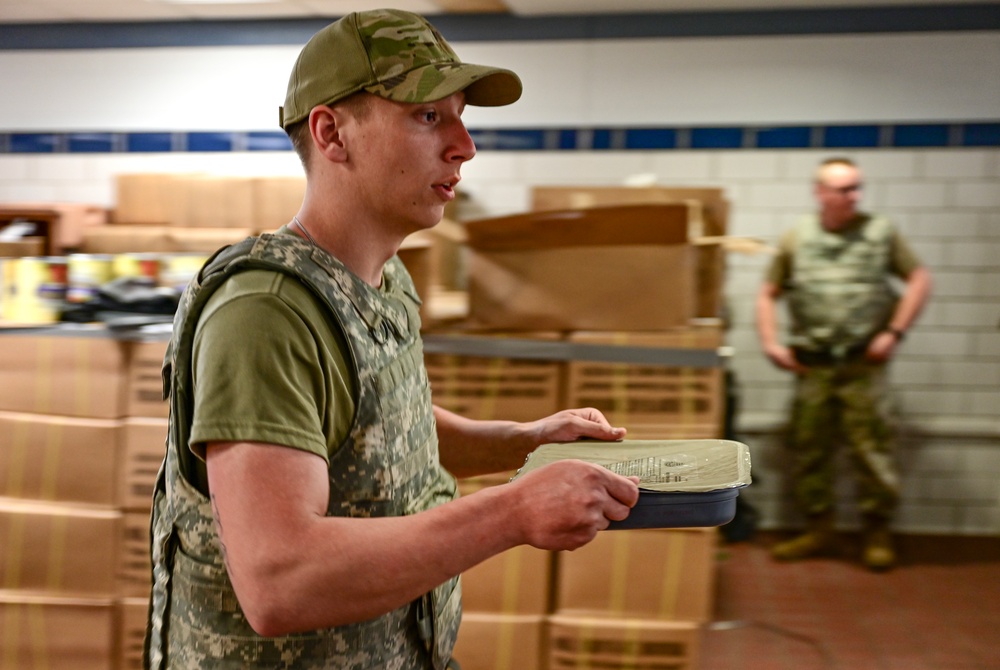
<point>682,483</point>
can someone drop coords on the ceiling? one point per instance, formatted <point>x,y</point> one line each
<point>58,11</point>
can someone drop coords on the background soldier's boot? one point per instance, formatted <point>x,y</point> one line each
<point>878,553</point>
<point>820,538</point>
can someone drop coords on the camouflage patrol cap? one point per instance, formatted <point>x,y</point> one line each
<point>393,54</point>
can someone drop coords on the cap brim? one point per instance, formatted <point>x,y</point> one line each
<point>484,86</point>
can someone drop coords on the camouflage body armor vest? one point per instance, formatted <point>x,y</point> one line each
<point>388,466</point>
<point>840,294</point>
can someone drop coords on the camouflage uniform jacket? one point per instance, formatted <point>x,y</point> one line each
<point>839,292</point>
<point>388,466</point>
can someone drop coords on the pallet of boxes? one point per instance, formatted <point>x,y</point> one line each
<point>601,270</point>
<point>68,505</point>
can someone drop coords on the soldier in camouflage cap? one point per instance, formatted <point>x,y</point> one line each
<point>306,514</point>
<point>835,268</point>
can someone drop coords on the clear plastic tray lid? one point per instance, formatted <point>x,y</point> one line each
<point>691,466</point>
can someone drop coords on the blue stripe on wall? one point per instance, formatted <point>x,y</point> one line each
<point>551,139</point>
<point>508,27</point>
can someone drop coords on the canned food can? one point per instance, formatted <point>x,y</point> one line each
<point>177,270</point>
<point>144,265</point>
<point>85,275</point>
<point>40,283</point>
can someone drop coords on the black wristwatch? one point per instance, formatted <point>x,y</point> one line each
<point>900,334</point>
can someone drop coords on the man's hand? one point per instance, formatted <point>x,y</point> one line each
<point>882,347</point>
<point>784,358</point>
<point>562,505</point>
<point>573,424</point>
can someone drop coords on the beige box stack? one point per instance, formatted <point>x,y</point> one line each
<point>628,599</point>
<point>607,267</point>
<point>144,434</point>
<point>506,600</point>
<point>484,388</point>
<point>81,439</point>
<point>61,404</point>
<point>653,401</point>
<point>207,201</point>
<point>633,599</point>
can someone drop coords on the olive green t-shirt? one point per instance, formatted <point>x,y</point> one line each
<point>902,259</point>
<point>270,365</point>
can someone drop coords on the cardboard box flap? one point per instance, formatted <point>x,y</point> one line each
<point>599,226</point>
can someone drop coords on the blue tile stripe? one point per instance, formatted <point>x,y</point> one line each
<point>860,136</point>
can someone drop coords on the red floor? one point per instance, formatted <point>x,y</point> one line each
<point>939,610</point>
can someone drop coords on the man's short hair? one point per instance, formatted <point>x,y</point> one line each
<point>358,105</point>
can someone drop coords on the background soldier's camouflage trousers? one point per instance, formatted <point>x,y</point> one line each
<point>843,404</point>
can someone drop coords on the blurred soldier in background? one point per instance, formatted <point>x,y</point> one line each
<point>847,322</point>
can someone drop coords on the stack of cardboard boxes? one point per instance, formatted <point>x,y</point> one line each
<point>611,268</point>
<point>61,403</point>
<point>78,453</point>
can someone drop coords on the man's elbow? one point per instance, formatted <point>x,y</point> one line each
<point>266,612</point>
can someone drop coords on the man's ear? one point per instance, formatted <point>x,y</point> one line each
<point>325,125</point>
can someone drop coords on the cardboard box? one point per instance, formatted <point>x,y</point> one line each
<point>133,238</point>
<point>160,199</point>
<point>58,458</point>
<point>187,200</point>
<point>58,549</point>
<point>63,374</point>
<point>132,614</point>
<point>29,246</point>
<point>220,202</point>
<point>690,398</point>
<point>630,644</point>
<point>709,224</point>
<point>144,442</point>
<point>416,256</point>
<point>517,581</point>
<point>145,383</point>
<point>609,268</point>
<point>714,206</point>
<point>276,200</point>
<point>56,633</point>
<point>667,575</point>
<point>135,565</point>
<point>61,224</point>
<point>496,388</point>
<point>448,239</point>
<point>501,642</point>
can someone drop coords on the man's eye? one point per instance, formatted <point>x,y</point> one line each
<point>430,116</point>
